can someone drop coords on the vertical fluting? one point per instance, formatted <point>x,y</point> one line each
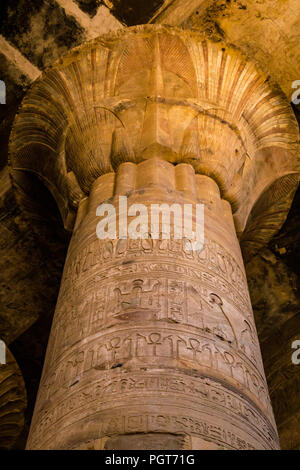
<point>153,346</point>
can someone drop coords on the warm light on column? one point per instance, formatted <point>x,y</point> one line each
<point>154,346</point>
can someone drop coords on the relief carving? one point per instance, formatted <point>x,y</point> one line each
<point>149,336</point>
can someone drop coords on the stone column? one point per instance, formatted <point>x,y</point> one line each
<point>284,381</point>
<point>154,346</point>
<point>13,399</point>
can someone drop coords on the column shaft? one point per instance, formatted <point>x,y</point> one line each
<point>154,346</point>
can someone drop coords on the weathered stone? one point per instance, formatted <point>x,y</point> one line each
<point>31,250</point>
<point>163,330</point>
<point>168,333</point>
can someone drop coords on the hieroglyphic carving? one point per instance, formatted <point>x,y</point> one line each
<point>174,423</point>
<point>156,345</point>
<point>98,253</point>
<point>141,294</point>
<point>198,388</point>
<point>123,389</point>
<point>143,299</point>
<point>151,265</point>
<point>152,117</point>
<point>149,304</point>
